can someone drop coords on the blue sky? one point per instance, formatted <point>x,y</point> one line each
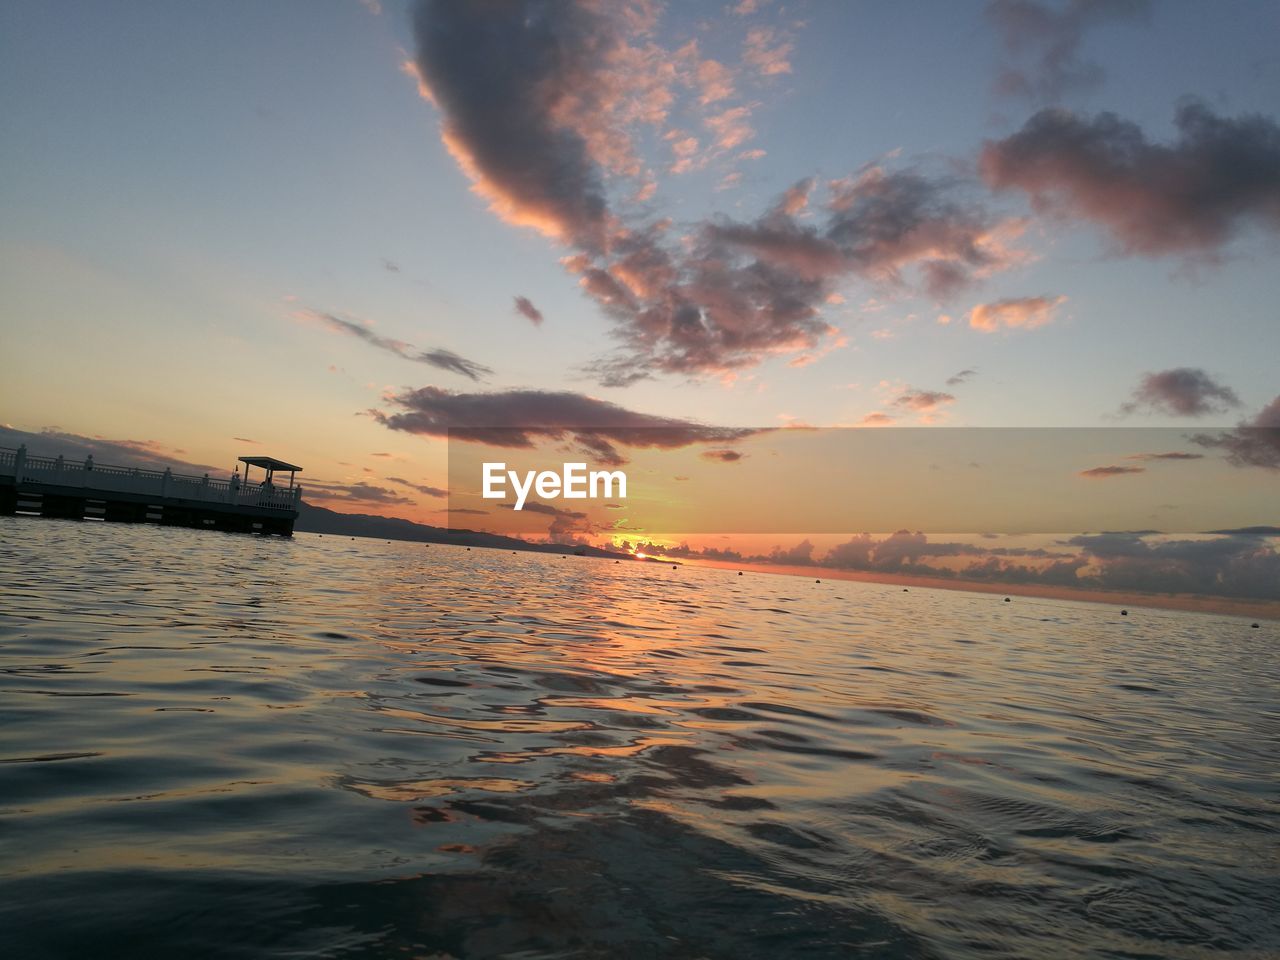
<point>188,190</point>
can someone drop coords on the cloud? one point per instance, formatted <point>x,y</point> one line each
<point>524,94</point>
<point>525,307</point>
<point>1101,473</point>
<point>1230,566</point>
<point>1189,197</point>
<point>329,491</point>
<point>715,82</point>
<point>428,491</point>
<point>538,103</point>
<point>1050,40</point>
<point>1250,532</point>
<point>737,292</point>
<point>1254,443</point>
<point>520,418</point>
<point>1174,455</point>
<point>923,401</point>
<point>1181,392</point>
<point>142,454</point>
<point>246,440</point>
<point>767,52</point>
<point>1235,564</point>
<point>441,359</point>
<point>724,455</point>
<point>536,506</point>
<point>961,377</point>
<point>1024,313</point>
<point>730,128</point>
<point>876,419</point>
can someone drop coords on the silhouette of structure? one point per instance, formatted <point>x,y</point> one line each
<point>84,490</point>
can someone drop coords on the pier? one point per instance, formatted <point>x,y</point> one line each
<point>85,490</point>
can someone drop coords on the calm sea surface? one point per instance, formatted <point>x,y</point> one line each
<point>222,746</point>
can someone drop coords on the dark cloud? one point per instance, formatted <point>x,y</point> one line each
<point>1181,392</point>
<point>142,454</point>
<point>1101,473</point>
<point>448,360</point>
<point>723,455</point>
<point>1188,197</point>
<point>567,526</point>
<point>525,307</point>
<point>1173,455</point>
<point>747,290</point>
<point>521,90</point>
<point>961,377</point>
<point>536,100</point>
<point>244,440</point>
<point>390,266</point>
<point>421,488</point>
<point>441,359</point>
<point>1231,566</point>
<point>923,401</point>
<point>536,506</point>
<point>711,309</point>
<point>1250,532</point>
<point>1239,563</point>
<point>329,491</point>
<point>1254,443</point>
<point>1049,39</point>
<point>519,418</point>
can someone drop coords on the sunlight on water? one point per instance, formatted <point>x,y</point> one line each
<point>218,745</point>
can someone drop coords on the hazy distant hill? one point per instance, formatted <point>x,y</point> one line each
<point>313,519</point>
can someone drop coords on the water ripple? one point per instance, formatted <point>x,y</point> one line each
<point>224,746</point>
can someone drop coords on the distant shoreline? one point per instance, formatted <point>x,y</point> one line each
<point>1192,603</point>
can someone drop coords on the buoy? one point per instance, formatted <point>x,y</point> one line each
<point>904,589</point>
<point>739,573</point>
<point>1124,613</point>
<point>673,566</point>
<point>1007,600</point>
<point>1254,626</point>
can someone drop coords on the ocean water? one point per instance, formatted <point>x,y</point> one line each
<point>223,746</point>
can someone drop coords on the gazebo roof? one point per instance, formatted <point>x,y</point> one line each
<point>270,463</point>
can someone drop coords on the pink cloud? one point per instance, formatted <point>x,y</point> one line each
<point>1024,313</point>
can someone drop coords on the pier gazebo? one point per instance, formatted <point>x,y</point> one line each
<point>272,466</point>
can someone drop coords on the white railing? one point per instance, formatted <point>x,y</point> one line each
<point>87,475</point>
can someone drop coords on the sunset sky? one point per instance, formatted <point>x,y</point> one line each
<point>326,231</point>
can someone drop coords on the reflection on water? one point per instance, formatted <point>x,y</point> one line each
<point>215,745</point>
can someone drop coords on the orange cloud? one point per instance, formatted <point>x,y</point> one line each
<point>1025,313</point>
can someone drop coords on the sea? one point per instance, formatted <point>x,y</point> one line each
<point>225,746</point>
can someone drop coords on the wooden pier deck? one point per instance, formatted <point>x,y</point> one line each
<point>84,490</point>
